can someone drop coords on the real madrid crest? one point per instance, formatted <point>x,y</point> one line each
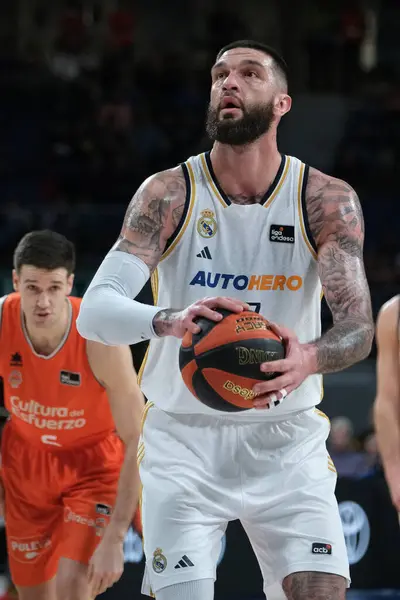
<point>159,561</point>
<point>206,224</point>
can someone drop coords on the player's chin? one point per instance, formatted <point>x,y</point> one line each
<point>44,320</point>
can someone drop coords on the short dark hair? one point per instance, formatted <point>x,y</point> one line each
<point>280,65</point>
<point>45,250</point>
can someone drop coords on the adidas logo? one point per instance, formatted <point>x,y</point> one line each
<point>205,253</point>
<point>184,562</point>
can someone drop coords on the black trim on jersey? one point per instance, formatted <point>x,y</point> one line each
<point>268,193</point>
<point>139,350</point>
<point>215,180</point>
<point>276,181</point>
<point>185,209</point>
<point>304,209</point>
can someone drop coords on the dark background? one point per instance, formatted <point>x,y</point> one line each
<point>97,95</point>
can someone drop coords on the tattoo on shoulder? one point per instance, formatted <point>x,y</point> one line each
<point>152,216</point>
<point>334,212</point>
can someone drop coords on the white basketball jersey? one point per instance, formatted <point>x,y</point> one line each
<point>259,253</point>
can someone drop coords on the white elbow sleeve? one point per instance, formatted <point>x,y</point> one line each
<point>109,314</point>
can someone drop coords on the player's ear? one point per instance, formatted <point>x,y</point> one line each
<point>283,104</point>
<point>15,280</point>
<point>70,283</point>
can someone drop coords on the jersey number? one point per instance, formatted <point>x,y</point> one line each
<point>255,306</point>
<point>50,439</point>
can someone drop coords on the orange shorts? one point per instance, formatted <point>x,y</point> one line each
<point>56,503</point>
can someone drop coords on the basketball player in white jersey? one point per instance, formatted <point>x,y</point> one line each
<point>387,401</point>
<point>241,225</point>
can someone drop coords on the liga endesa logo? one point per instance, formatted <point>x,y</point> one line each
<point>226,281</point>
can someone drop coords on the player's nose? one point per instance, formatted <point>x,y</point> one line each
<point>43,300</point>
<point>230,82</point>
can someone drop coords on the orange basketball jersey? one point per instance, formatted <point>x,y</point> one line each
<point>54,401</point>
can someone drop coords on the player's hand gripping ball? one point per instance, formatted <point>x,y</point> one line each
<point>221,364</point>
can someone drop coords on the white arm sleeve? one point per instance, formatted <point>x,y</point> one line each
<point>109,314</point>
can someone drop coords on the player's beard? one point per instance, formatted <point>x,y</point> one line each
<point>256,121</point>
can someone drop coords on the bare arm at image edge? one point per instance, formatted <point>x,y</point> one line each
<point>109,312</point>
<point>387,401</point>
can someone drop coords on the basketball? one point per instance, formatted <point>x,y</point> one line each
<point>221,364</point>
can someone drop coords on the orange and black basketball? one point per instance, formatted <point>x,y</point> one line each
<point>221,364</point>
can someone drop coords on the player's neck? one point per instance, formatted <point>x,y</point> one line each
<point>246,171</point>
<point>46,341</point>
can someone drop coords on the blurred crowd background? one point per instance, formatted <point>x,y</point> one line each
<point>96,95</point>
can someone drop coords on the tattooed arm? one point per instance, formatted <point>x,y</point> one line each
<point>337,225</point>
<point>387,400</point>
<point>109,312</point>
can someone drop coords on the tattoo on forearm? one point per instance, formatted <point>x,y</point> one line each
<point>342,346</point>
<point>337,225</point>
<point>152,217</point>
<point>309,585</point>
<point>164,320</point>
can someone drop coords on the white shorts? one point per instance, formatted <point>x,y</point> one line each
<point>199,473</point>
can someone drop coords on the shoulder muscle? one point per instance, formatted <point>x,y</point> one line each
<point>153,215</point>
<point>334,212</point>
